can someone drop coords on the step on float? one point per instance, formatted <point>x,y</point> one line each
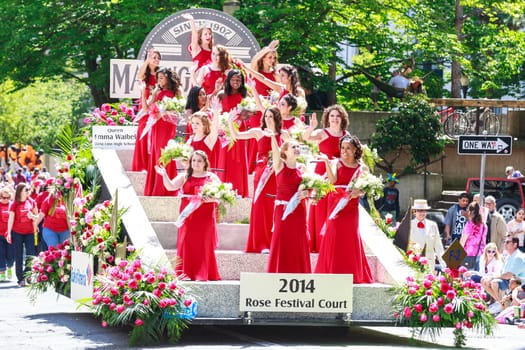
<point>149,223</point>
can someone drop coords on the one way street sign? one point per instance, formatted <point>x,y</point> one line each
<point>485,144</point>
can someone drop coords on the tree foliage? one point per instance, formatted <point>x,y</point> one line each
<point>415,126</point>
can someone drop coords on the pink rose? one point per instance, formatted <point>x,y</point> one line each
<point>440,301</point>
<point>120,308</point>
<point>462,269</point>
<point>423,318</point>
<point>188,302</point>
<point>451,294</point>
<point>104,324</point>
<point>427,283</point>
<point>433,308</point>
<point>470,314</point>
<point>412,290</point>
<point>459,325</point>
<point>423,260</point>
<point>407,312</point>
<point>449,308</point>
<point>105,107</point>
<point>139,322</point>
<point>436,318</point>
<point>418,307</point>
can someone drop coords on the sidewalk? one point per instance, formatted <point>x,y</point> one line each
<point>53,322</point>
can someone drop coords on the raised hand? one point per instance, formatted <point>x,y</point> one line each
<point>313,121</point>
<point>215,103</point>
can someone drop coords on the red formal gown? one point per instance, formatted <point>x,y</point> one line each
<point>234,160</point>
<point>197,237</point>
<point>289,251</point>
<point>318,212</point>
<point>161,132</point>
<point>261,216</point>
<point>208,83</point>
<point>261,88</point>
<point>203,58</point>
<point>288,124</point>
<point>140,153</point>
<point>341,247</point>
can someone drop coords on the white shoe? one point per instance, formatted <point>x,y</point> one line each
<point>265,251</point>
<point>495,308</point>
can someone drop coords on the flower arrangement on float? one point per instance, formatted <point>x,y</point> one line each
<point>175,149</point>
<point>51,269</point>
<point>428,303</point>
<point>111,114</point>
<point>150,300</point>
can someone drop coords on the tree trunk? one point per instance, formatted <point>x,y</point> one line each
<point>456,67</point>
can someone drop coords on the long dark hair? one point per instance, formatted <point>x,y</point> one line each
<point>294,77</point>
<point>474,209</point>
<point>277,119</point>
<point>148,71</point>
<point>172,77</point>
<point>192,102</point>
<point>204,156</point>
<point>228,88</point>
<point>354,140</point>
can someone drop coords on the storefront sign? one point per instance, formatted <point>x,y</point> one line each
<point>283,292</point>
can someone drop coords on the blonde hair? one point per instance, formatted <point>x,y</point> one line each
<point>285,148</point>
<point>491,246</point>
<point>203,117</point>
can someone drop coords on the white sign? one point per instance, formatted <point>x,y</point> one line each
<point>81,275</point>
<point>485,144</point>
<point>114,137</point>
<point>286,292</point>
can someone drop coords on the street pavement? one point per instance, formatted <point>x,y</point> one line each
<point>55,322</point>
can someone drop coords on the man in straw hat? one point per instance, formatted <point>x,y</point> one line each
<point>424,235</point>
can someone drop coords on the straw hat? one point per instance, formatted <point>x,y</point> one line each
<point>420,204</point>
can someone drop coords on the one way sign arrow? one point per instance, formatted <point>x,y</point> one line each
<point>485,144</point>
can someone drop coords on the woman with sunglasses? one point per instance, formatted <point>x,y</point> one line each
<point>21,227</point>
<point>7,257</point>
<point>490,264</point>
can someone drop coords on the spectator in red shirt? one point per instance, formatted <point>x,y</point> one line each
<point>55,229</point>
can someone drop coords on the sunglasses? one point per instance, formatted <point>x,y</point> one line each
<point>507,242</point>
<point>491,251</point>
<point>4,197</point>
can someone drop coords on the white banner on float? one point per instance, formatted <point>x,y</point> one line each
<point>82,274</point>
<point>114,137</point>
<point>286,292</point>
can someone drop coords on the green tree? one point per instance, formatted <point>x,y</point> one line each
<point>417,118</point>
<point>35,114</point>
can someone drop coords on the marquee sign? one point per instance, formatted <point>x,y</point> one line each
<point>172,38</point>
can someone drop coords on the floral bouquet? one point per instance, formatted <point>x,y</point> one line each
<point>97,230</point>
<point>429,303</point>
<point>224,130</point>
<point>175,105</point>
<point>175,150</point>
<point>247,104</point>
<point>51,268</point>
<point>301,107</point>
<point>223,193</point>
<point>416,261</point>
<point>310,182</point>
<point>149,300</point>
<point>366,182</point>
<point>111,114</point>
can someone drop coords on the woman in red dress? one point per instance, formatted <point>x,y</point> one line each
<point>286,105</point>
<point>197,237</point>
<point>233,159</point>
<point>289,251</point>
<point>163,130</point>
<point>205,132</point>
<point>196,101</point>
<point>335,122</point>
<point>264,62</point>
<point>341,247</point>
<point>212,75</point>
<point>200,46</point>
<point>288,81</point>
<point>147,77</point>
<point>261,216</point>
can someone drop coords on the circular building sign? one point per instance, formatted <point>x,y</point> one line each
<point>172,38</point>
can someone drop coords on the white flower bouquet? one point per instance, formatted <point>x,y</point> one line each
<point>320,186</point>
<point>175,150</point>
<point>369,183</point>
<point>174,105</point>
<point>248,104</point>
<point>222,192</point>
